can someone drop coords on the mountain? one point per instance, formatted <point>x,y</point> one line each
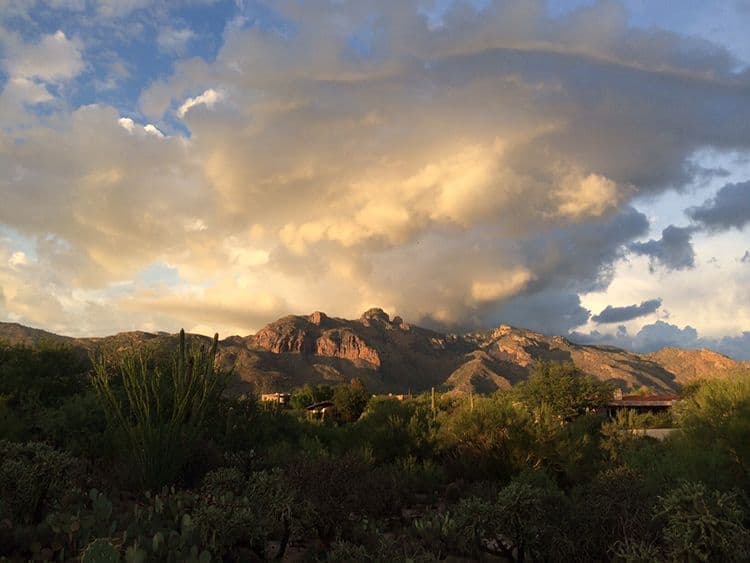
<point>390,355</point>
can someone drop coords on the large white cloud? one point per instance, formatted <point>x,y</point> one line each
<point>464,174</point>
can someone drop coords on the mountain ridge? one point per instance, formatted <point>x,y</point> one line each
<point>390,355</point>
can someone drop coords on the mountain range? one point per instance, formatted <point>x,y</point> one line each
<point>391,355</point>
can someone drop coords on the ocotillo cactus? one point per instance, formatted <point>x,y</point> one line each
<point>162,414</point>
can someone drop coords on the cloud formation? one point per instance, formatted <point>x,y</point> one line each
<point>612,314</point>
<point>462,170</point>
<point>653,337</point>
<point>673,251</point>
<point>729,208</point>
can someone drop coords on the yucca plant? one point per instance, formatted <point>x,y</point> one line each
<point>160,415</point>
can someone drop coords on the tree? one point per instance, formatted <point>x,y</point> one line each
<point>309,395</point>
<point>716,417</point>
<point>350,400</point>
<point>566,390</point>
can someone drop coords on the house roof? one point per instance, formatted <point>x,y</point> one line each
<point>645,401</point>
<point>320,405</point>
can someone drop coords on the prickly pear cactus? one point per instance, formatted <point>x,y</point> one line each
<point>100,551</point>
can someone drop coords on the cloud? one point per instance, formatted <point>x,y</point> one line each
<point>730,208</point>
<point>654,337</point>
<point>477,172</point>
<point>174,40</point>
<point>550,312</point>
<point>208,98</point>
<point>621,314</point>
<point>673,251</point>
<point>53,58</point>
<point>17,259</point>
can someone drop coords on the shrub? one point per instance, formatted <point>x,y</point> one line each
<point>616,506</point>
<point>33,477</point>
<point>704,525</point>
<point>488,441</point>
<point>715,417</point>
<point>525,520</point>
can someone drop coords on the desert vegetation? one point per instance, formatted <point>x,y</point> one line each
<point>132,457</point>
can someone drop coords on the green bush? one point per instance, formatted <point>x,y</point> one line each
<point>526,520</point>
<point>490,440</point>
<point>715,417</point>
<point>704,525</point>
<point>33,478</point>
<point>564,389</point>
<point>350,400</point>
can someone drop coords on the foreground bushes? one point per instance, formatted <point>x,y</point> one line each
<point>510,476</point>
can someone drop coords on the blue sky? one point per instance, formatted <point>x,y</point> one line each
<point>215,164</point>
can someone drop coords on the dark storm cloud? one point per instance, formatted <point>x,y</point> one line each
<point>550,312</point>
<point>673,251</point>
<point>729,208</point>
<point>612,314</point>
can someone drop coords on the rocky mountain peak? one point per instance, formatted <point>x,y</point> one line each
<point>375,314</point>
<point>318,318</point>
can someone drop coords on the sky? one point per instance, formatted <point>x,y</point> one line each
<point>579,168</point>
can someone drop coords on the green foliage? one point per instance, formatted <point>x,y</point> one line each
<point>162,416</point>
<point>100,551</point>
<point>350,400</point>
<point>569,451</point>
<point>564,389</point>
<point>395,428</point>
<point>716,417</point>
<point>704,525</point>
<point>529,474</point>
<point>440,532</point>
<point>489,440</point>
<point>309,395</point>
<point>78,425</point>
<point>42,376</point>
<point>33,478</point>
<point>619,435</point>
<point>525,520</point>
<point>613,509</point>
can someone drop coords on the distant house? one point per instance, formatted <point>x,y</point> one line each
<point>323,410</point>
<point>641,403</point>
<point>279,398</point>
<point>398,397</point>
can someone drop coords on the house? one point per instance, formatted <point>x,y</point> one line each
<point>641,403</point>
<point>323,410</point>
<point>278,398</point>
<point>644,404</point>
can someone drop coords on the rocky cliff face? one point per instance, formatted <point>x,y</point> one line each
<point>316,335</point>
<point>393,356</point>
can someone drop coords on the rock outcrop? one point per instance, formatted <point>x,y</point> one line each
<point>390,355</point>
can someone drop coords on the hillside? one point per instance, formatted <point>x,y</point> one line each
<point>390,355</point>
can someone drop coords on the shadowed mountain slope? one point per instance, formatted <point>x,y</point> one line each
<point>390,355</point>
